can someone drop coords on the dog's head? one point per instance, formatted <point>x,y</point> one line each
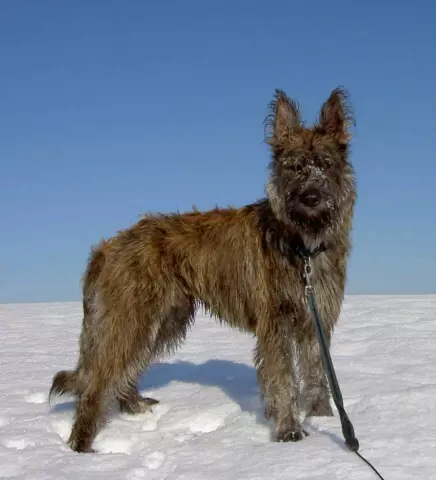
<point>312,186</point>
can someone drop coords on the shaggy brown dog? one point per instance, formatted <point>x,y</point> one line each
<point>244,265</point>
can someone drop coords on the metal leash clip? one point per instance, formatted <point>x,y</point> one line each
<point>308,276</point>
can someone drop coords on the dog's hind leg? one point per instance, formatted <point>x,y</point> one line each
<point>90,413</point>
<point>108,368</point>
<point>170,334</point>
<point>131,401</point>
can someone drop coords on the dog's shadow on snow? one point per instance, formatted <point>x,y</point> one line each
<point>237,380</point>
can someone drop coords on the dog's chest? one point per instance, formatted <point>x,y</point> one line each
<point>325,279</point>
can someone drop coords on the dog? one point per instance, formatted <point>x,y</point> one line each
<point>142,287</point>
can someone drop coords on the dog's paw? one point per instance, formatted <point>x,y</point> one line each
<point>291,435</point>
<point>80,446</point>
<point>140,405</point>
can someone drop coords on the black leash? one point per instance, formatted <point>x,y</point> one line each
<point>347,427</point>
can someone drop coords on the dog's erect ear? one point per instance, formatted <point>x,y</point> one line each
<point>336,116</point>
<point>284,117</point>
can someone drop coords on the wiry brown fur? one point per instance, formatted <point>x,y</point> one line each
<point>142,287</point>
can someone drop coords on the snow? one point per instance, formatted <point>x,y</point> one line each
<point>209,424</point>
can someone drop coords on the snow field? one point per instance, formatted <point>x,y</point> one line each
<point>209,424</point>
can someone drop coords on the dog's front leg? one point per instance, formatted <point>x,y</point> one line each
<point>273,360</point>
<point>317,395</point>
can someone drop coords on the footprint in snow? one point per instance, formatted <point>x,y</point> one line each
<point>115,445</point>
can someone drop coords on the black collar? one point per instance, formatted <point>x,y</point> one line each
<point>303,252</point>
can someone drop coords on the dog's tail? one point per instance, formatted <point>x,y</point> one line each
<point>65,382</point>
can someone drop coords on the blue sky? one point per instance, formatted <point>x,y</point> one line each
<point>110,109</point>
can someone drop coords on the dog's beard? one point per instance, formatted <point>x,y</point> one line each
<point>313,224</point>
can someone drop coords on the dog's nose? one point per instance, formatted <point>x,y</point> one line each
<point>310,198</point>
